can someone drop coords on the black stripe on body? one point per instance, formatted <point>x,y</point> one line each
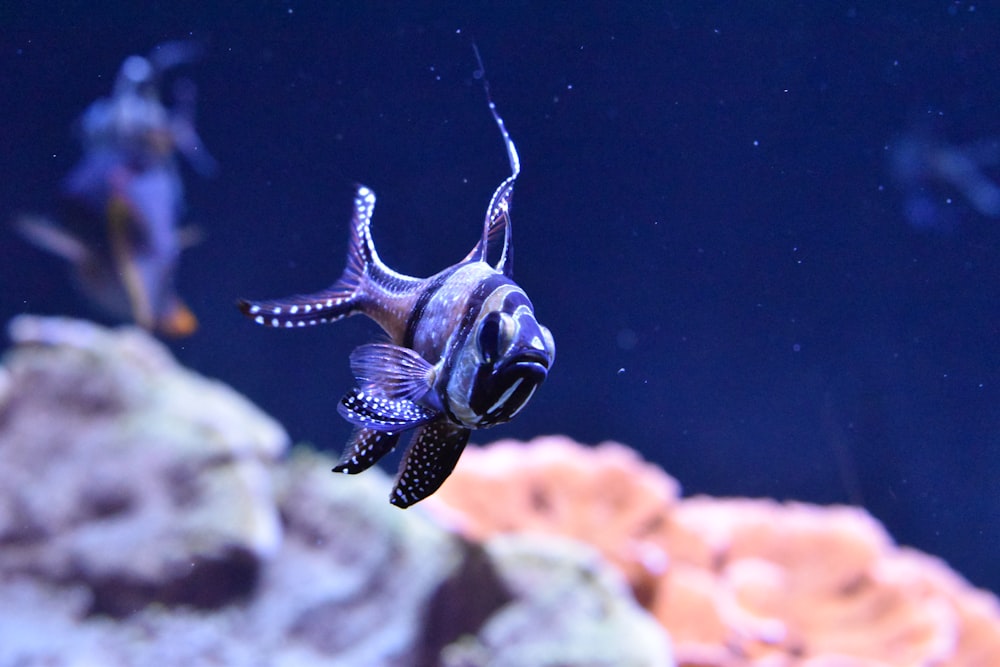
<point>460,336</point>
<point>473,307</point>
<point>417,314</point>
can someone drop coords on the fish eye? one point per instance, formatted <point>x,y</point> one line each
<point>495,334</point>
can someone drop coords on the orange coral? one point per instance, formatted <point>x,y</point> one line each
<point>797,583</point>
<point>607,497</point>
<point>736,582</point>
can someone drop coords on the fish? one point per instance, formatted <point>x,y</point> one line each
<point>465,350</point>
<point>119,207</point>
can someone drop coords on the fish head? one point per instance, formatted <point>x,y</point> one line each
<point>512,354</point>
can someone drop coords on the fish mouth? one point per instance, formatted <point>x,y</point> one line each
<point>519,380</point>
<point>528,358</point>
<point>533,367</point>
<point>503,391</point>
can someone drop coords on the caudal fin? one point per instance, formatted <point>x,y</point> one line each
<point>341,299</point>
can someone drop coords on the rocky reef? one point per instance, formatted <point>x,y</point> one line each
<point>149,515</point>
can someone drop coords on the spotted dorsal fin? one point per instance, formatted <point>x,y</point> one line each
<point>498,212</point>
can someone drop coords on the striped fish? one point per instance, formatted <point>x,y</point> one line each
<point>465,350</point>
<point>120,206</point>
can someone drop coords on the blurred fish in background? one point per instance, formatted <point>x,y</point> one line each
<point>119,208</point>
<point>934,176</point>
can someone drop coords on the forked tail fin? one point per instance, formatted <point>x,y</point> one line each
<point>341,299</point>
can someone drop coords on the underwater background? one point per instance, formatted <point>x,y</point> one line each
<point>742,281</point>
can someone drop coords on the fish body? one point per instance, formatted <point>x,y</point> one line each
<point>120,205</point>
<point>465,350</point>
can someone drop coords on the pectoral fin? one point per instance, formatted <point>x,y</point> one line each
<point>396,372</point>
<point>190,236</point>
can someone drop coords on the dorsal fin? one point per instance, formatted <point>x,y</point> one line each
<point>498,212</point>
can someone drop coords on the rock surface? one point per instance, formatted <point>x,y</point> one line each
<point>129,475</point>
<point>569,608</point>
<point>149,516</point>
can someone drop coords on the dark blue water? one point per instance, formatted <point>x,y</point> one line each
<point>705,219</point>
